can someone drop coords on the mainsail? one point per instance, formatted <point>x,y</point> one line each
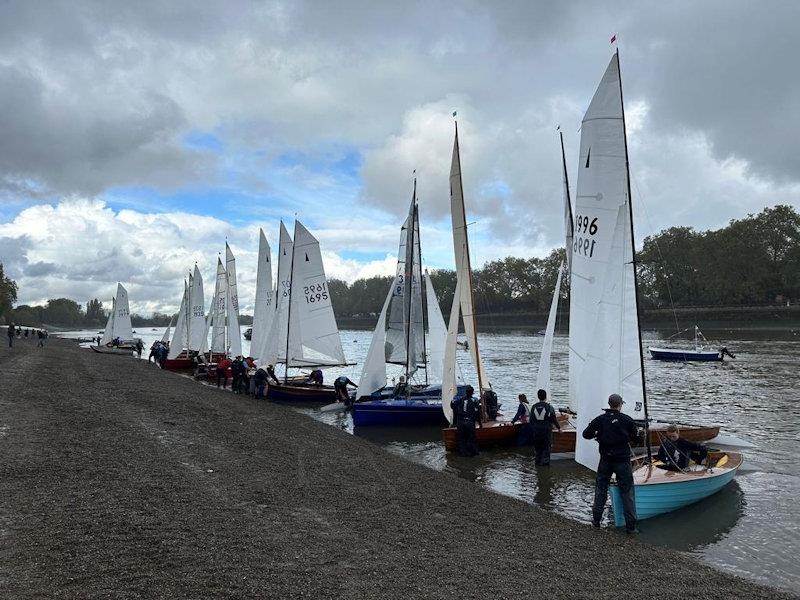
<point>463,267</point>
<point>219,311</point>
<point>232,321</point>
<point>373,373</point>
<point>276,340</point>
<point>196,325</point>
<point>605,345</point>
<point>313,336</point>
<point>264,309</point>
<point>108,332</point>
<point>180,339</point>
<point>122,321</point>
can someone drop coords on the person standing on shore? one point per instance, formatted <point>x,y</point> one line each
<point>40,334</point>
<point>543,419</point>
<point>525,435</point>
<point>222,372</point>
<point>11,329</point>
<point>614,431</point>
<point>467,414</point>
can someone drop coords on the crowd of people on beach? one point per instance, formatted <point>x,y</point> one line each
<point>158,353</point>
<point>17,332</point>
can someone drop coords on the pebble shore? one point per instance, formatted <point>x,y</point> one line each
<point>119,480</point>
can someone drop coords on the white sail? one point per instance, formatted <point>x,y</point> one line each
<point>398,305</point>
<point>276,339</point>
<point>197,327</point>
<point>264,310</point>
<point>167,332</point>
<point>543,374</point>
<point>568,222</point>
<point>449,363</point>
<point>437,333</point>
<point>416,320</point>
<point>109,330</point>
<point>219,311</point>
<point>313,334</point>
<point>180,339</point>
<point>234,331</point>
<point>463,268</point>
<point>122,321</point>
<point>373,373</point>
<point>604,332</point>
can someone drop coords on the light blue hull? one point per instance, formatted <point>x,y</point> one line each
<point>656,499</point>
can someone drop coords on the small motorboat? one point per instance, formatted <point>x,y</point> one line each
<point>659,490</point>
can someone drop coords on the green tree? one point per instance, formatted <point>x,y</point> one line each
<point>8,292</point>
<point>63,312</point>
<point>95,315</point>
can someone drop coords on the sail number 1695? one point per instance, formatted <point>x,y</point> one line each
<point>584,242</point>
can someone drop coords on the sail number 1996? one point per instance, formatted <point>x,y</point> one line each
<point>585,229</point>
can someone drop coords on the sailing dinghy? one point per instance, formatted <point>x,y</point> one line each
<point>190,326</point>
<point>118,334</point>
<point>699,354</point>
<point>605,337</point>
<point>402,341</point>
<point>309,329</point>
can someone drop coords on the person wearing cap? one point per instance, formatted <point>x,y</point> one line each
<point>676,452</point>
<point>466,415</point>
<point>543,419</point>
<point>614,432</point>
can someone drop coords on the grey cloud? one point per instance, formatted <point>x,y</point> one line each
<point>40,269</point>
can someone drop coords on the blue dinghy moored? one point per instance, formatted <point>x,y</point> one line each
<point>660,491</point>
<point>685,355</point>
<point>423,407</point>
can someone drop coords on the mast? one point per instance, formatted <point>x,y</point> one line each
<point>469,270</point>
<point>409,282</point>
<point>633,265</point>
<point>289,316</point>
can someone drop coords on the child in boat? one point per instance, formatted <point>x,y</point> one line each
<point>676,452</point>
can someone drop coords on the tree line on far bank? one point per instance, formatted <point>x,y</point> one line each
<point>753,261</point>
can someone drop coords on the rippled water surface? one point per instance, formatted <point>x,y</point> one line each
<point>749,528</point>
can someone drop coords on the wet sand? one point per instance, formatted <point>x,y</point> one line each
<point>119,480</point>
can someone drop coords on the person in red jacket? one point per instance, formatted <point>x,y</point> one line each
<point>222,372</point>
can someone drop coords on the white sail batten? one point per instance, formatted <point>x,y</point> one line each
<point>605,351</point>
<point>437,333</point>
<point>198,330</point>
<point>373,374</point>
<point>463,267</point>
<point>449,386</point>
<point>232,321</point>
<point>264,310</point>
<point>219,311</point>
<point>108,332</point>
<point>276,339</point>
<point>313,334</point>
<point>543,374</point>
<point>122,328</point>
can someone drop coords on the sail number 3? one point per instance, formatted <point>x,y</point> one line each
<point>584,242</point>
<point>316,292</point>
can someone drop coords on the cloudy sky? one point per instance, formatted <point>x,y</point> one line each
<point>136,136</point>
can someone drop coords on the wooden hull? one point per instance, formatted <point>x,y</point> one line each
<point>658,491</point>
<point>505,434</point>
<point>300,392</point>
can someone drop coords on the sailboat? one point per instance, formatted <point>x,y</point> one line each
<point>402,341</point>
<point>190,327</point>
<point>118,327</point>
<point>166,337</point>
<point>605,336</point>
<point>311,335</point>
<point>699,354</point>
<point>264,310</point>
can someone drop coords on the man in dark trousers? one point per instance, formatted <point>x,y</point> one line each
<point>466,414</point>
<point>11,330</point>
<point>543,419</point>
<point>340,387</point>
<point>614,431</point>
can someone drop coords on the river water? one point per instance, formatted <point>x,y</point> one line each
<point>749,528</point>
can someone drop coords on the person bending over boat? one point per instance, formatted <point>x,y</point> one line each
<point>315,377</point>
<point>467,414</point>
<point>222,372</point>
<point>543,419</point>
<point>614,431</point>
<point>676,452</point>
<point>260,379</point>
<point>401,389</point>
<point>340,387</point>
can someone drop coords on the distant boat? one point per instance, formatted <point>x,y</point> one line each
<point>698,354</point>
<point>190,333</point>
<point>118,333</point>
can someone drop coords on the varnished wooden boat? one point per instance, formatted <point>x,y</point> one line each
<point>297,390</point>
<point>503,433</point>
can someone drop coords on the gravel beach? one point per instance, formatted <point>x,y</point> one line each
<point>119,480</point>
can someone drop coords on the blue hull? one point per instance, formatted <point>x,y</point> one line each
<point>413,412</point>
<point>684,355</point>
<point>657,499</point>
